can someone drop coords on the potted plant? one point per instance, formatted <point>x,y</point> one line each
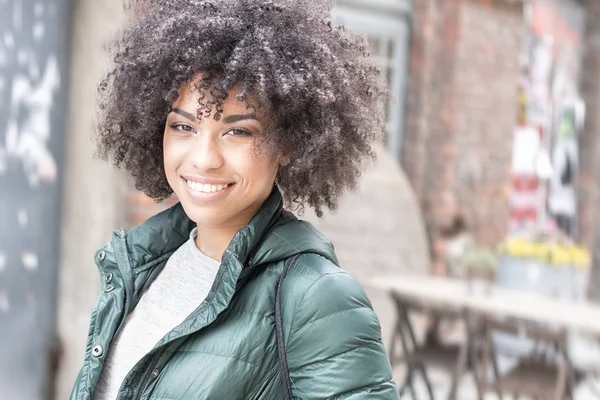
<point>481,267</point>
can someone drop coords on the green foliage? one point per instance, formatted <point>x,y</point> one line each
<point>480,259</point>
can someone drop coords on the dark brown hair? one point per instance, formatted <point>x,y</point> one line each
<point>316,80</point>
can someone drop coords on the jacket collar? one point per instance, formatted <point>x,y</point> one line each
<point>162,234</point>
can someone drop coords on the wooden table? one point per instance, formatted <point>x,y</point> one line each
<point>443,293</point>
<point>454,294</point>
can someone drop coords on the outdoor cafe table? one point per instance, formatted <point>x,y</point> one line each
<point>454,293</point>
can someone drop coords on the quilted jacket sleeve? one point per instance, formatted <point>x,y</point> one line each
<point>335,350</point>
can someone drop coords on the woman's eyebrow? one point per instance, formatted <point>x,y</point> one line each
<point>230,119</point>
<point>184,113</point>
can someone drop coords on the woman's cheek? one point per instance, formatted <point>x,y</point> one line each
<point>173,154</point>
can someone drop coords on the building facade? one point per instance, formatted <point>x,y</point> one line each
<point>465,104</point>
<point>455,69</point>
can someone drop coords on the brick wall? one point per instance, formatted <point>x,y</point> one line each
<point>461,113</point>
<point>487,74</point>
<point>429,114</point>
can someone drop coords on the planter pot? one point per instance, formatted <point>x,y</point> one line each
<point>562,281</point>
<point>480,280</point>
<point>526,275</point>
<point>564,286</point>
<point>581,279</point>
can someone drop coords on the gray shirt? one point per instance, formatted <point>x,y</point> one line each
<point>177,291</point>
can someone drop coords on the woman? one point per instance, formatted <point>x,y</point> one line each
<point>236,107</point>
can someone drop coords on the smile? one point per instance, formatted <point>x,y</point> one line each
<point>205,188</point>
<point>204,192</point>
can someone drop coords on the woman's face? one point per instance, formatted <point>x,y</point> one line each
<point>212,166</point>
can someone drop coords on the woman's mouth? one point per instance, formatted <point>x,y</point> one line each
<point>206,191</point>
<point>206,188</point>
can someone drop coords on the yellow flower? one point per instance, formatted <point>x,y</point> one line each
<point>556,254</point>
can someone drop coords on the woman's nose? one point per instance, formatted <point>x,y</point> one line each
<point>205,153</point>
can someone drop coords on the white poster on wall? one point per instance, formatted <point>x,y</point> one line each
<point>526,146</point>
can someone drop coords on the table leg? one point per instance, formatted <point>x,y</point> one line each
<point>494,361</point>
<point>427,383</point>
<point>401,327</point>
<point>408,383</point>
<point>413,341</point>
<point>474,350</point>
<point>460,368</point>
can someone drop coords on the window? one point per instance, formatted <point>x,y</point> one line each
<point>386,26</point>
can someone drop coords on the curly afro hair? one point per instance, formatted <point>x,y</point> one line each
<point>317,81</point>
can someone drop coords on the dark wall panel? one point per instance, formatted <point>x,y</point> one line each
<point>34,52</point>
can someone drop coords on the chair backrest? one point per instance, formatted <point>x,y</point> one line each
<point>531,330</point>
<point>547,358</point>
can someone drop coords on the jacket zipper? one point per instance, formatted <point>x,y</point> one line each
<point>143,384</point>
<point>144,379</point>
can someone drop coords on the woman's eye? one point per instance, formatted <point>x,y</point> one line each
<point>239,132</point>
<point>182,127</point>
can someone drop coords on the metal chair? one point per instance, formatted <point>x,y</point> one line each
<point>455,359</point>
<point>545,374</point>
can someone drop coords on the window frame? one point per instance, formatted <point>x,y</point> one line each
<point>385,20</point>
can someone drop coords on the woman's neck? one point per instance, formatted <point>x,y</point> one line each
<point>213,241</point>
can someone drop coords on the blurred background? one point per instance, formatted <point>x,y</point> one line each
<point>476,234</point>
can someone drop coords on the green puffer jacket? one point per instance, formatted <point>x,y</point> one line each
<point>226,349</point>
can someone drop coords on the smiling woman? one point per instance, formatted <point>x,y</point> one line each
<point>240,108</point>
<point>214,168</point>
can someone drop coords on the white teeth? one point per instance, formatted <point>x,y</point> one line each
<point>204,188</point>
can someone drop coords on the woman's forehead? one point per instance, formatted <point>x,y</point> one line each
<point>190,96</point>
